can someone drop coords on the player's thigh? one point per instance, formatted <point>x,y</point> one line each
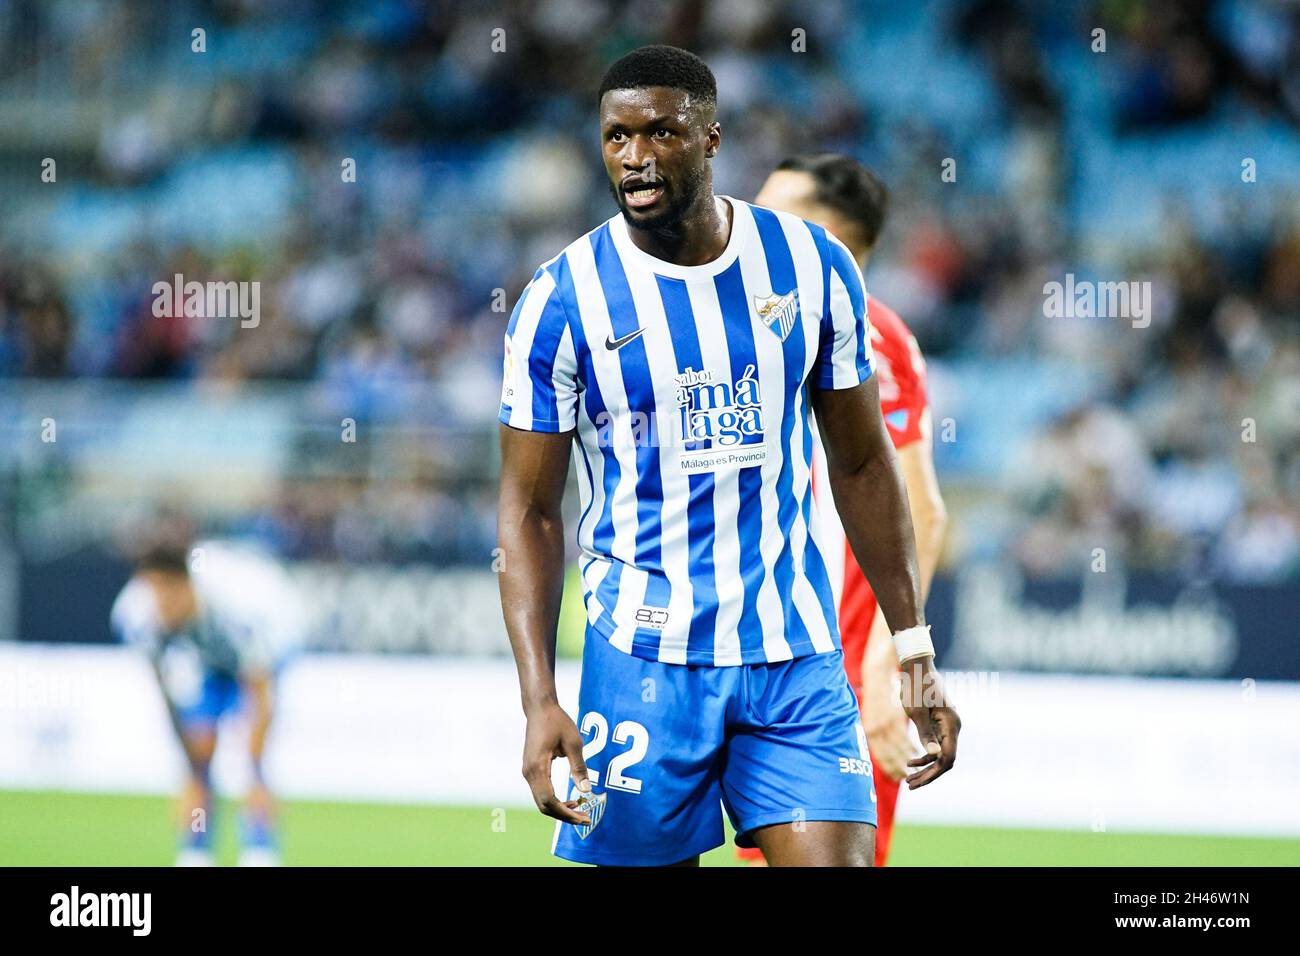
<point>653,736</point>
<point>817,843</point>
<point>797,755</point>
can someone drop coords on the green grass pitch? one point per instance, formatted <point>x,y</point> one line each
<point>67,829</point>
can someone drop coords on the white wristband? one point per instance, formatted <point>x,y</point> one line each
<point>913,642</point>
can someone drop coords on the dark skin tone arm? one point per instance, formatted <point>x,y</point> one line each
<point>530,533</point>
<point>871,498</point>
<point>191,758</point>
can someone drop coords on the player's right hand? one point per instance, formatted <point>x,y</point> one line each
<point>929,708</point>
<point>550,734</point>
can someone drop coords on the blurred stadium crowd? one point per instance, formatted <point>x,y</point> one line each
<point>383,297</point>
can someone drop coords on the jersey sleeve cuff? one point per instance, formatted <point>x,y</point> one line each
<point>826,381</point>
<point>534,425</point>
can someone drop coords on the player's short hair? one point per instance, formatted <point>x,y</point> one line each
<point>660,65</point>
<point>171,557</point>
<point>847,186</point>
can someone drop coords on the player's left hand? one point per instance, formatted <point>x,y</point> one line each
<point>885,724</point>
<point>927,705</point>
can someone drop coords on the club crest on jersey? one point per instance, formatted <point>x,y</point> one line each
<point>778,312</point>
<point>594,807</point>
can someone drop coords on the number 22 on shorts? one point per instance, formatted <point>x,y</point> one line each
<point>625,732</point>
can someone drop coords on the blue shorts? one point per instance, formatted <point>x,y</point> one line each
<point>669,746</point>
<point>219,695</point>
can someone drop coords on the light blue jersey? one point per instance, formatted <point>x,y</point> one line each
<point>688,388</point>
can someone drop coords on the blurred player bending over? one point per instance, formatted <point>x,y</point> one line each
<point>217,621</point>
<point>678,351</point>
<point>849,201</point>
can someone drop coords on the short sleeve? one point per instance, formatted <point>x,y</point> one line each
<point>844,359</point>
<point>257,646</point>
<point>134,618</point>
<point>279,631</point>
<point>539,390</point>
<point>905,401</point>
<point>257,606</point>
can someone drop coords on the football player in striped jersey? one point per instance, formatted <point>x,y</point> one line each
<point>680,352</point>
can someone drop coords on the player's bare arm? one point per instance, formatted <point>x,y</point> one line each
<point>929,513</point>
<point>530,534</point>
<point>192,759</point>
<point>871,497</point>
<point>883,717</point>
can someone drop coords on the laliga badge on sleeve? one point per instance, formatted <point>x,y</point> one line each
<point>594,807</point>
<point>508,374</point>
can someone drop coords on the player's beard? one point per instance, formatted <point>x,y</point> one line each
<point>674,211</point>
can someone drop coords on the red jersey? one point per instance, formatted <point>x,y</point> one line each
<point>903,401</point>
<point>900,375</point>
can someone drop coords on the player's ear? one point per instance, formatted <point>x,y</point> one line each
<point>714,135</point>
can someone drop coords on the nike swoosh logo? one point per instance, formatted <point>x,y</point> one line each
<point>615,344</point>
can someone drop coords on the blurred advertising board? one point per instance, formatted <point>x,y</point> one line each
<point>986,618</point>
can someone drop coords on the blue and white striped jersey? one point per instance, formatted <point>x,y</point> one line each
<point>250,614</point>
<point>688,388</point>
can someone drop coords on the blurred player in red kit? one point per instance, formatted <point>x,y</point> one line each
<point>844,196</point>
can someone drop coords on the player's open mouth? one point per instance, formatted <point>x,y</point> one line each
<point>639,195</point>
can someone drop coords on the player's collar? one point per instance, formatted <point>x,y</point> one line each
<point>630,251</point>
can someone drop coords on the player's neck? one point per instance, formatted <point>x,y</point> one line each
<point>697,238</point>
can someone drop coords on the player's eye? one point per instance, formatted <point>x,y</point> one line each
<point>662,133</point>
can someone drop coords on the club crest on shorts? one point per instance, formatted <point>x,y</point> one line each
<point>778,312</point>
<point>593,806</point>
